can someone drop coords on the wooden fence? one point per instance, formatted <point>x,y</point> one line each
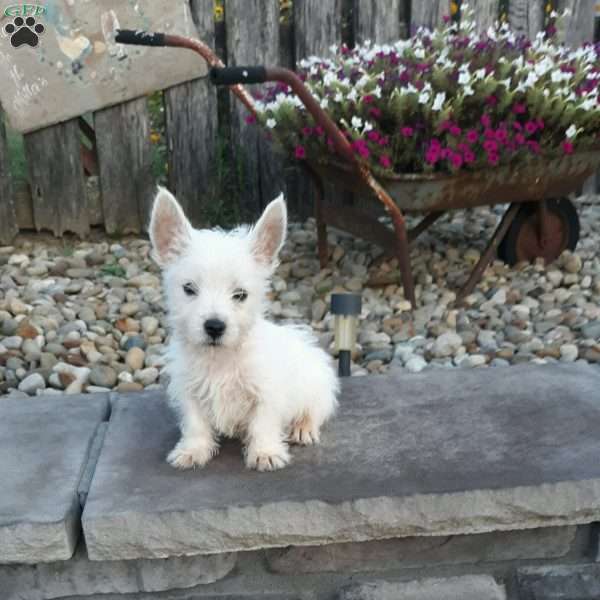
<point>205,129</point>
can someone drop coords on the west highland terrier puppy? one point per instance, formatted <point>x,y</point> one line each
<point>233,372</point>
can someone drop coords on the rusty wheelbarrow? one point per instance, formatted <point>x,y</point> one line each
<point>540,220</point>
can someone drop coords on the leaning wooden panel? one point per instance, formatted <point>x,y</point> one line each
<point>8,216</point>
<point>253,39</point>
<point>56,177</point>
<point>125,160</point>
<point>75,65</point>
<point>191,117</point>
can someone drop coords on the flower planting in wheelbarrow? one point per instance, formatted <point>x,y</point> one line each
<point>453,118</point>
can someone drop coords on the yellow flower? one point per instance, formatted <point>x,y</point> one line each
<point>155,137</point>
<point>453,8</point>
<point>218,12</point>
<point>548,7</point>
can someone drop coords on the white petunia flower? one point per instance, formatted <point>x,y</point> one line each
<point>464,78</point>
<point>271,123</point>
<point>571,132</point>
<point>356,123</point>
<point>424,97</point>
<point>468,90</point>
<point>438,101</point>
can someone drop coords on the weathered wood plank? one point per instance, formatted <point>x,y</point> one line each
<point>57,180</point>
<point>253,39</point>
<point>318,25</point>
<point>191,126</point>
<point>8,216</point>
<point>579,27</point>
<point>125,161</point>
<point>377,21</point>
<point>526,17</point>
<point>486,13</point>
<point>428,13</point>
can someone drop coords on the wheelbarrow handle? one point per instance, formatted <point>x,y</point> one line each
<point>139,37</point>
<point>235,75</point>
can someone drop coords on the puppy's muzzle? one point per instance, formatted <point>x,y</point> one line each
<point>214,328</point>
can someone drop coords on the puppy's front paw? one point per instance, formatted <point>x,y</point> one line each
<point>303,433</point>
<point>267,460</point>
<point>186,456</point>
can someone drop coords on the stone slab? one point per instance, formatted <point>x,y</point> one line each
<point>426,551</point>
<point>467,587</point>
<point>82,577</point>
<point>77,67</point>
<point>441,453</point>
<point>44,446</point>
<point>559,582</point>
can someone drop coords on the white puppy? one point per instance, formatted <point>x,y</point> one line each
<point>233,372</point>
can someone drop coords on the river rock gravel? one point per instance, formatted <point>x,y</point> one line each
<point>89,316</point>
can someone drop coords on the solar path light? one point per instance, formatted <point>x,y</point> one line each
<point>345,308</point>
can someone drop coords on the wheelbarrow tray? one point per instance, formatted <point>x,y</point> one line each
<point>535,180</point>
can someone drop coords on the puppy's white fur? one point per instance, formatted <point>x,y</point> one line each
<point>264,383</point>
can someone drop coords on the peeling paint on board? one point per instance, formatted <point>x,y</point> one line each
<point>78,67</point>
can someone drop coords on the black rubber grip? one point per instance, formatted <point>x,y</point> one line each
<point>233,75</point>
<point>139,37</point>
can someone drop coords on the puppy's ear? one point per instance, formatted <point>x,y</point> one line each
<point>268,234</point>
<point>170,231</point>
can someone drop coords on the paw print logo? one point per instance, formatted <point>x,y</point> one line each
<point>24,31</point>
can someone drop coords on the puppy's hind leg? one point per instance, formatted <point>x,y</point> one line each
<point>197,444</point>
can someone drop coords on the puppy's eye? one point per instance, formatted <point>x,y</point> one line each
<point>240,295</point>
<point>190,289</point>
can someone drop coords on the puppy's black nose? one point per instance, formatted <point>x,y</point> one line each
<point>214,328</point>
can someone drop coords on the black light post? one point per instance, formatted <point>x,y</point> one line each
<point>346,308</point>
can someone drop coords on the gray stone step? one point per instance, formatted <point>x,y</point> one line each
<point>44,446</point>
<point>442,453</point>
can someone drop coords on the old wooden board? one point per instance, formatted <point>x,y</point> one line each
<point>75,65</point>
<point>125,159</point>
<point>8,218</point>
<point>191,116</point>
<point>253,39</point>
<point>377,21</point>
<point>56,177</point>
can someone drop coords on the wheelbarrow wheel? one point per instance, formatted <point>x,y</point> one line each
<point>522,240</point>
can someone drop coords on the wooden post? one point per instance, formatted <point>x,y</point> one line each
<point>125,161</point>
<point>191,124</point>
<point>486,13</point>
<point>377,21</point>
<point>580,25</point>
<point>428,13</point>
<point>318,25</point>
<point>56,176</point>
<point>253,39</point>
<point>526,17</point>
<point>8,216</point>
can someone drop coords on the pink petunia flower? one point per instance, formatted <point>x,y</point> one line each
<point>300,152</point>
<point>519,108</point>
<point>531,127</point>
<point>368,99</point>
<point>472,136</point>
<point>517,126</point>
<point>307,131</point>
<point>490,146</point>
<point>486,121</point>
<point>501,135</point>
<point>493,158</point>
<point>319,130</point>
<point>407,131</point>
<point>456,160</point>
<point>385,161</point>
<point>520,139</point>
<point>384,140</point>
<point>567,147</point>
<point>431,156</point>
<point>435,143</point>
<point>250,119</point>
<point>373,135</point>
<point>455,130</point>
<point>489,134</point>
<point>469,157</point>
<point>533,146</point>
<point>375,113</point>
